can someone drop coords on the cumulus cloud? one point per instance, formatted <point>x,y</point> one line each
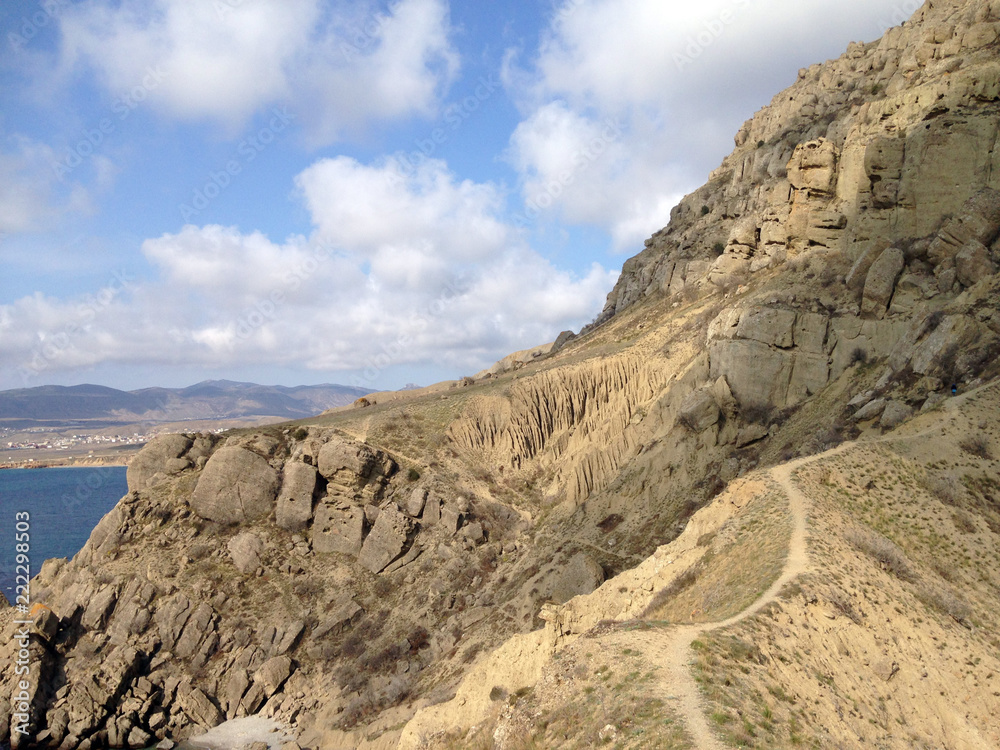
<point>224,61</point>
<point>679,77</point>
<point>31,195</point>
<point>417,267</point>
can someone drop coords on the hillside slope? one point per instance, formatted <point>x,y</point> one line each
<point>538,554</point>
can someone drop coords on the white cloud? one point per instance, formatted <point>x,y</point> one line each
<point>404,268</point>
<point>225,60</point>
<point>680,77</point>
<point>31,195</point>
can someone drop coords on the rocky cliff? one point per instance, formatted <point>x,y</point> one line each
<point>353,573</point>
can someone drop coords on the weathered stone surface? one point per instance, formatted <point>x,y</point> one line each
<point>341,617</point>
<point>894,414</point>
<point>881,282</point>
<point>153,458</point>
<point>973,263</point>
<point>415,502</point>
<point>581,575</point>
<point>450,519</point>
<point>236,486</point>
<point>245,549</point>
<point>756,373</point>
<point>337,456</point>
<point>273,673</point>
<point>813,167</point>
<point>197,706</point>
<point>871,410</point>
<point>699,411</point>
<point>295,501</point>
<point>339,527</point>
<point>387,540</point>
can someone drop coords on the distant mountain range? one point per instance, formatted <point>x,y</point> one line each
<point>211,399</point>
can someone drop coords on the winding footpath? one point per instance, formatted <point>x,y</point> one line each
<point>674,656</point>
<point>677,652</point>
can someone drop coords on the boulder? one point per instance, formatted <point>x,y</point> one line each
<point>246,549</point>
<point>881,282</point>
<point>337,456</point>
<point>387,540</point>
<point>236,486</point>
<point>295,501</point>
<point>581,575</point>
<point>894,414</point>
<point>699,411</point>
<point>415,502</point>
<point>153,459</point>
<point>769,325</point>
<point>870,410</point>
<point>339,527</point>
<point>973,263</point>
<point>273,673</point>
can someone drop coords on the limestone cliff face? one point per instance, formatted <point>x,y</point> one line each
<point>880,147</point>
<point>878,171</point>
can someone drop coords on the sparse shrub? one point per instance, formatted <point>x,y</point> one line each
<point>384,586</point>
<point>760,144</point>
<point>761,414</point>
<point>705,210</point>
<point>413,475</point>
<point>362,403</point>
<point>610,523</point>
<point>859,356</point>
<point>977,445</point>
<point>498,693</point>
<point>884,551</point>
<point>307,588</point>
<point>200,551</point>
<point>947,489</point>
<point>841,601</point>
<point>718,248</point>
<point>945,600</point>
<point>301,433</point>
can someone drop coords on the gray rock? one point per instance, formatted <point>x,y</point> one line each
<point>859,271</point>
<point>246,549</point>
<point>237,486</point>
<point>153,458</point>
<point>197,706</point>
<point>881,282</point>
<point>450,519</point>
<point>337,456</point>
<point>338,527</point>
<point>336,623</point>
<point>295,501</point>
<point>870,410</point>
<point>895,414</point>
<point>581,575</point>
<point>474,532</point>
<point>699,411</point>
<point>432,511</point>
<point>415,502</point>
<point>387,540</point>
<point>273,673</point>
<point>973,263</point>
<point>166,744</point>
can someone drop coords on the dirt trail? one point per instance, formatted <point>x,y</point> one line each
<point>673,653</point>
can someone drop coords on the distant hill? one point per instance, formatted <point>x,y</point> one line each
<point>211,399</point>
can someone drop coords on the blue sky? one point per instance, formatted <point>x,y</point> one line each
<point>372,193</point>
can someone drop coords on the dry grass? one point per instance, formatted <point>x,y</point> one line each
<point>746,557</point>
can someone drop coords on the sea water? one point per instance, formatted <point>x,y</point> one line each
<point>62,505</point>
